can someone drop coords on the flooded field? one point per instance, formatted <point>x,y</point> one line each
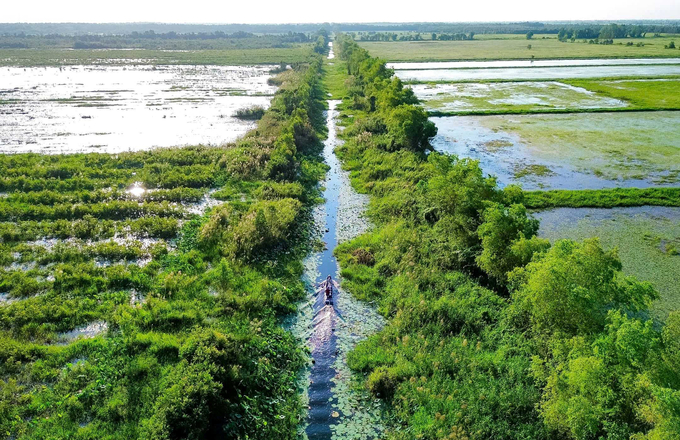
<point>537,73</point>
<point>533,63</point>
<point>111,109</point>
<point>647,238</point>
<point>571,151</point>
<point>463,97</point>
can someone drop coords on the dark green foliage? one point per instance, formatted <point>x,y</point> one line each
<point>250,113</point>
<point>569,289</point>
<point>492,333</point>
<point>393,114</point>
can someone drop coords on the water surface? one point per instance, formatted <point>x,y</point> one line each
<point>531,63</point>
<point>537,73</point>
<point>336,409</point>
<point>110,109</point>
<point>570,151</point>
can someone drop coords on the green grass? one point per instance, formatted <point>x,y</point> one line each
<point>641,94</point>
<point>602,198</point>
<point>516,49</point>
<point>335,74</point>
<point>67,57</point>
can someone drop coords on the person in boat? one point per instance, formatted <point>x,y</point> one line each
<point>327,287</point>
<point>329,290</point>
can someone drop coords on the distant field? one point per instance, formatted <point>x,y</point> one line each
<point>69,57</point>
<point>428,36</point>
<point>516,48</point>
<point>648,239</point>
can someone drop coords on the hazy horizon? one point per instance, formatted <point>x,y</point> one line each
<point>307,11</point>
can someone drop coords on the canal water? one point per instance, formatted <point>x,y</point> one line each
<point>337,408</point>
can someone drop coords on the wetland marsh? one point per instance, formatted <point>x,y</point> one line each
<point>112,109</point>
<point>571,151</point>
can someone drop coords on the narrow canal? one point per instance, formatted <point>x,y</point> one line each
<point>337,409</point>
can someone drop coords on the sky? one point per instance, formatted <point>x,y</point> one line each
<point>318,11</point>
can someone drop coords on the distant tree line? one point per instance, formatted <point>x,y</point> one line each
<point>393,36</point>
<point>153,40</point>
<point>657,26</point>
<point>613,30</point>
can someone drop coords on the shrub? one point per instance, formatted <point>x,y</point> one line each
<point>253,113</point>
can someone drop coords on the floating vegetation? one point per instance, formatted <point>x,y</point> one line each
<point>523,170</point>
<point>582,151</point>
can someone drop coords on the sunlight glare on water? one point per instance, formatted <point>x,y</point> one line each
<point>110,109</point>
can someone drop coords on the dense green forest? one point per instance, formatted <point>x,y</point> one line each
<point>493,332</point>
<point>181,306</point>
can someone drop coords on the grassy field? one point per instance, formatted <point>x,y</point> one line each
<point>66,57</point>
<point>647,239</point>
<point>602,198</point>
<point>652,93</point>
<point>516,49</point>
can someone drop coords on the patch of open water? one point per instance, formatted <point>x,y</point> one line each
<point>532,63</point>
<point>112,109</point>
<point>555,164</point>
<point>537,73</point>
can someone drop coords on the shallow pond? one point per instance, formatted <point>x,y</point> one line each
<point>645,236</point>
<point>90,330</point>
<point>532,63</point>
<point>536,73</point>
<point>570,151</point>
<point>112,109</point>
<point>463,97</point>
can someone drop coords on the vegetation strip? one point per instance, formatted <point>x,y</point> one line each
<point>492,332</point>
<point>120,321</point>
<point>547,111</point>
<point>602,198</point>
